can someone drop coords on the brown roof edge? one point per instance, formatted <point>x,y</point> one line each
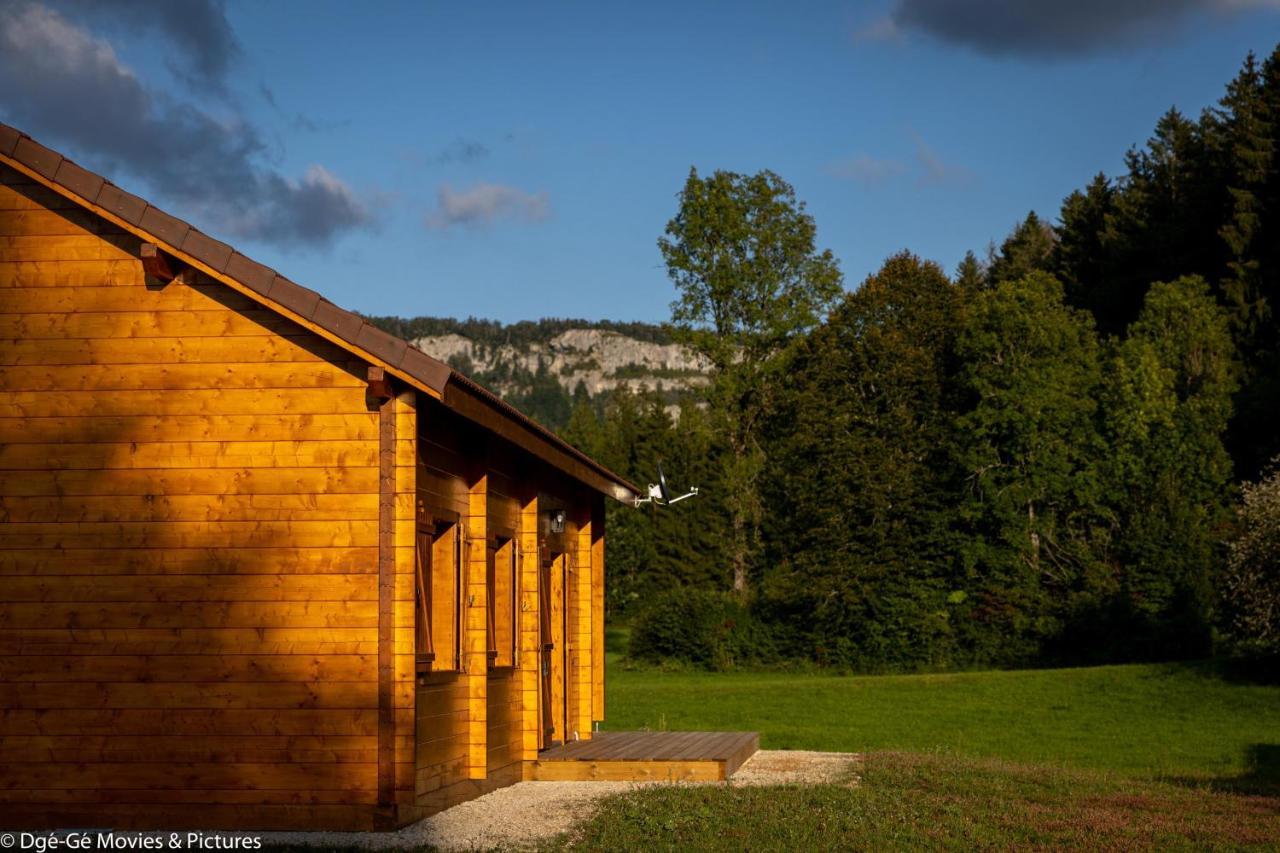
<point>292,300</point>
<point>619,488</point>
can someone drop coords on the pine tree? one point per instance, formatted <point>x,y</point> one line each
<point>1028,249</point>
<point>971,275</point>
<point>1253,287</point>
<point>1165,216</point>
<point>1244,124</point>
<point>1082,255</point>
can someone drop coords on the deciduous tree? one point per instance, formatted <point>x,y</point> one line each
<point>742,254</point>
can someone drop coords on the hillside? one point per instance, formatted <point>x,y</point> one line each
<point>542,366</point>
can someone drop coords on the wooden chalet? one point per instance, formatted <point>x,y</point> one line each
<point>262,565</point>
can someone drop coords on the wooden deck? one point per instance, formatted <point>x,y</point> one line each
<point>647,756</point>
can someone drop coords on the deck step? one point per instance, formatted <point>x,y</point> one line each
<point>647,756</point>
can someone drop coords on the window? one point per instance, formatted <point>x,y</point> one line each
<point>502,584</point>
<point>439,596</point>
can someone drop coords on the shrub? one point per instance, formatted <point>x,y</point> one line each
<point>704,628</point>
<point>1251,582</point>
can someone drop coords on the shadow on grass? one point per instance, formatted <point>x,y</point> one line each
<point>1260,779</point>
<point>617,638</point>
<point>1256,670</point>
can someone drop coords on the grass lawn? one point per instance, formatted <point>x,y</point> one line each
<point>1168,757</point>
<point>931,802</point>
<point>1144,720</point>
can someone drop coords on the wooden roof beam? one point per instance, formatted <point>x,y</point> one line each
<point>159,264</point>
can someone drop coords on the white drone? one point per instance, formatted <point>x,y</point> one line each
<point>659,493</point>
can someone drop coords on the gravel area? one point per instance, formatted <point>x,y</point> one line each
<point>798,767</point>
<point>529,812</point>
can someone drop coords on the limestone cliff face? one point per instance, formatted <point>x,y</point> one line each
<point>602,360</point>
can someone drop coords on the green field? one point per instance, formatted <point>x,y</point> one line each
<point>1167,757</point>
<point>1145,720</point>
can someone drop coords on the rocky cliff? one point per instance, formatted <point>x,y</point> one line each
<point>600,360</point>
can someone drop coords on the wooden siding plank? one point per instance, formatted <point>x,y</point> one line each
<point>192,722</point>
<point>179,508</point>
<point>213,614</point>
<point>213,776</point>
<point>191,696</point>
<point>268,749</point>
<point>188,455</point>
<point>310,401</point>
<point>202,668</point>
<point>93,296</point>
<point>125,276</point>
<point>199,561</point>
<point>143,324</point>
<point>252,349</point>
<point>188,588</point>
<point>54,223</point>
<point>141,642</point>
<point>187,534</point>
<point>58,253</point>
<point>166,482</point>
<point>178,377</point>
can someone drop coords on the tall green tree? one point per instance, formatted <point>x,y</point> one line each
<point>859,534</point>
<point>1028,446</point>
<point>742,254</point>
<point>1166,406</point>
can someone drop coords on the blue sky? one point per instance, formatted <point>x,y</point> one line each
<point>515,161</point>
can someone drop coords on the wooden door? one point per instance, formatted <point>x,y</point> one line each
<point>552,664</point>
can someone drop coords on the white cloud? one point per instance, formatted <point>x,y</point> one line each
<point>486,203</point>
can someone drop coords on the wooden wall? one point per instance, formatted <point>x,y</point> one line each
<point>196,628</point>
<point>188,561</point>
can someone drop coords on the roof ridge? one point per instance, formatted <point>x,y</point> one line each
<point>351,329</point>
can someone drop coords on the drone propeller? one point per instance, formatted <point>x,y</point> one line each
<point>663,491</point>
